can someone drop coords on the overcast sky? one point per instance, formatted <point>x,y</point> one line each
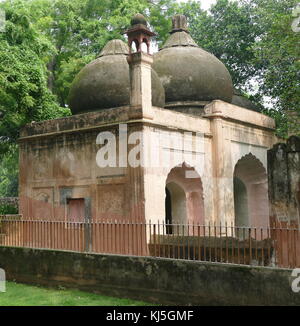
<point>205,4</point>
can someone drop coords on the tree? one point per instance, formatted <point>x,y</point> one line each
<point>278,51</point>
<point>79,29</point>
<point>255,40</point>
<point>24,95</point>
<point>49,41</point>
<point>228,32</point>
<point>9,170</point>
<point>44,46</point>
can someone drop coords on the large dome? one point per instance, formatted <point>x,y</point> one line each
<point>189,73</point>
<point>104,83</point>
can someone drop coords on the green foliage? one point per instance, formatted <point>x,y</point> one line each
<point>44,46</point>
<point>24,95</point>
<point>68,70</point>
<point>9,170</point>
<point>228,32</point>
<point>278,51</point>
<point>79,29</point>
<point>8,210</point>
<point>252,37</point>
<point>281,121</point>
<point>47,42</point>
<point>255,40</point>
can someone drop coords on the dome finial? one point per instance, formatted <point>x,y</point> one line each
<point>179,24</point>
<point>138,19</point>
<point>139,33</point>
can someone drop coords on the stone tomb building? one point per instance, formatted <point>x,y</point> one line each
<point>199,157</point>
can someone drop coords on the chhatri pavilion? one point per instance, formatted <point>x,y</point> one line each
<point>202,152</point>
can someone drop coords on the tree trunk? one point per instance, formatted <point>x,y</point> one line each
<point>51,68</point>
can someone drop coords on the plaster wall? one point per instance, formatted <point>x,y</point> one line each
<point>58,161</point>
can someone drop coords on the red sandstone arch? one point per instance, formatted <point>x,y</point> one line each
<point>251,192</point>
<point>186,195</point>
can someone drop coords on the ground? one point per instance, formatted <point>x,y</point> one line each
<point>26,295</point>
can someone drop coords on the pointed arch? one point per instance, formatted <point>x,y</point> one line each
<point>250,192</point>
<point>186,195</point>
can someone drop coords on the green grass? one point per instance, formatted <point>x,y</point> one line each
<point>26,295</point>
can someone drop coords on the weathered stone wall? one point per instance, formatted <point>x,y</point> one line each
<point>64,153</point>
<point>284,181</point>
<point>58,161</point>
<point>164,281</point>
<point>12,201</point>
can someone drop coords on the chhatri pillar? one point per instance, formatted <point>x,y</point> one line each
<point>139,33</point>
<point>140,64</point>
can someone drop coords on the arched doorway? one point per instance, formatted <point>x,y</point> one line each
<point>176,211</point>
<point>241,210</point>
<point>168,207</point>
<point>184,201</point>
<point>250,185</point>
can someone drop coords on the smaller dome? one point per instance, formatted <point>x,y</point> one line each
<point>188,73</point>
<point>138,19</point>
<point>105,82</point>
<point>114,47</point>
<point>180,39</point>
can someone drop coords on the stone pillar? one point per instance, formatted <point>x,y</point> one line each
<point>140,64</point>
<point>284,181</point>
<point>223,179</point>
<point>223,210</point>
<point>284,196</point>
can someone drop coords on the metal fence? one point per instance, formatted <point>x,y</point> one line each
<point>276,246</point>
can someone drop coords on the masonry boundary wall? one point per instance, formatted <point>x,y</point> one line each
<point>157,280</point>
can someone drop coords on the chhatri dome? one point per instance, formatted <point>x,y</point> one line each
<point>104,83</point>
<point>138,19</point>
<point>183,75</point>
<point>189,73</point>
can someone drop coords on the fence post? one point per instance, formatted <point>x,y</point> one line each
<point>154,238</point>
<point>250,247</point>
<point>87,235</point>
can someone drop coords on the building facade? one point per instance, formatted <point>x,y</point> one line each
<point>152,138</point>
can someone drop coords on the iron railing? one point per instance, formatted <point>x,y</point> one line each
<point>274,246</point>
